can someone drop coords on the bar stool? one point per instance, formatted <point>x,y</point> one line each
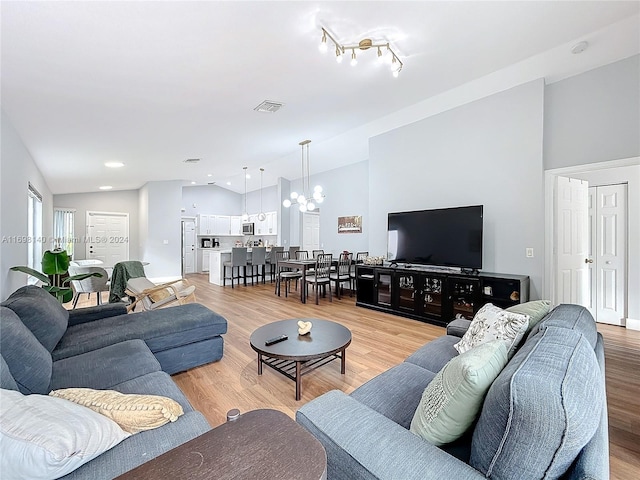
<point>258,260</point>
<point>272,262</point>
<point>238,259</point>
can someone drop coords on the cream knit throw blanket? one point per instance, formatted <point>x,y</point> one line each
<point>134,413</point>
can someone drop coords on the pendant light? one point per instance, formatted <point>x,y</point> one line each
<point>305,200</point>
<point>261,215</point>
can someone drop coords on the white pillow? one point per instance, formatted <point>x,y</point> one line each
<point>494,323</point>
<point>45,437</point>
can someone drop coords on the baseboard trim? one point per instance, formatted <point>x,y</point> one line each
<point>633,324</point>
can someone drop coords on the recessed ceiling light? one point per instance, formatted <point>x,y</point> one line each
<point>209,174</point>
<point>193,183</point>
<point>105,187</point>
<point>228,183</point>
<point>114,164</point>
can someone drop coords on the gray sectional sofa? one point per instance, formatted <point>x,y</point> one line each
<point>44,347</point>
<point>545,415</point>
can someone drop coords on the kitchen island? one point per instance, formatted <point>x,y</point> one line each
<point>217,257</point>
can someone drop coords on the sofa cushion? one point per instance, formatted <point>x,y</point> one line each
<point>536,309</point>
<point>6,379</point>
<point>161,329</point>
<point>134,413</point>
<point>452,400</point>
<point>573,317</point>
<point>28,361</point>
<point>105,367</point>
<point>541,410</point>
<point>46,437</point>
<point>435,354</point>
<point>494,323</point>
<point>41,313</point>
<point>396,392</point>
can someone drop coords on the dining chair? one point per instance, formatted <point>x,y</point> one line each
<point>285,274</point>
<point>272,261</point>
<point>343,272</point>
<point>238,260</point>
<point>302,255</point>
<point>360,259</point>
<point>151,296</point>
<point>320,276</point>
<point>315,253</point>
<point>89,285</point>
<point>257,263</point>
<point>293,250</point>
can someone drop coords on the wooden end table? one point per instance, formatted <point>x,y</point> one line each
<point>258,445</point>
<point>300,354</point>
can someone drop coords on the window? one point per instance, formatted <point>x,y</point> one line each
<point>34,230</point>
<point>63,231</point>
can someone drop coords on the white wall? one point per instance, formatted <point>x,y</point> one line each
<point>487,152</point>
<point>210,199</point>
<point>17,169</point>
<point>593,117</point>
<point>346,191</point>
<point>160,235</point>
<point>124,201</point>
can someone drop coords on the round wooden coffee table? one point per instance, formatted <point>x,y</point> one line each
<point>300,354</point>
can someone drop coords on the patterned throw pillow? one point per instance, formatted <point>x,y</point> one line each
<point>133,413</point>
<point>494,323</point>
<point>452,400</point>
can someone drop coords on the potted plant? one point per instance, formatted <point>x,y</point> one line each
<point>55,265</point>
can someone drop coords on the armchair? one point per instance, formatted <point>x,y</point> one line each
<point>151,296</point>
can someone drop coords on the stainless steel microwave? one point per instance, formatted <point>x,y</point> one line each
<point>247,228</point>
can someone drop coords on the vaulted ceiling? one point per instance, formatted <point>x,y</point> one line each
<point>151,84</point>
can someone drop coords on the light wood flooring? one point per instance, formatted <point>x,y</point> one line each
<point>379,342</point>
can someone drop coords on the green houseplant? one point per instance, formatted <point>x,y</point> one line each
<point>55,265</point>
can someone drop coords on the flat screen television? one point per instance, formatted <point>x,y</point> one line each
<point>448,237</point>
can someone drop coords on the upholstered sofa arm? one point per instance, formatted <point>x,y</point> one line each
<point>364,443</point>
<point>89,314</point>
<point>458,327</point>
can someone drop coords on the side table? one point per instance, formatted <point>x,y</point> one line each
<point>258,445</point>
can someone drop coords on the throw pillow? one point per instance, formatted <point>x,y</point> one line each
<point>493,323</point>
<point>134,413</point>
<point>536,309</point>
<point>46,437</point>
<point>453,399</point>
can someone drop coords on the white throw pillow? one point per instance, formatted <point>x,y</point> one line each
<point>494,323</point>
<point>45,437</point>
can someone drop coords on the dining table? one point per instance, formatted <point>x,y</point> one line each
<point>303,266</point>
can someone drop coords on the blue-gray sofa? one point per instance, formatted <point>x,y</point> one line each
<point>45,347</point>
<point>545,415</point>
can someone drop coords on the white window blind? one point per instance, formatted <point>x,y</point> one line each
<point>34,229</point>
<point>63,231</point>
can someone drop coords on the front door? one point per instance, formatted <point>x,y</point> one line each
<point>607,253</point>
<point>107,237</point>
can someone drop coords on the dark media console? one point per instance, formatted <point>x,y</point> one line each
<point>435,295</point>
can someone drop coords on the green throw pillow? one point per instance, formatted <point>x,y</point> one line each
<point>536,309</point>
<point>453,399</point>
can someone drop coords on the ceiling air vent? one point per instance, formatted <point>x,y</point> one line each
<point>269,106</point>
<point>191,160</point>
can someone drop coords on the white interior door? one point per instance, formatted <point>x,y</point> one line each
<point>310,232</point>
<point>188,246</point>
<point>107,237</point>
<point>572,241</point>
<point>608,252</point>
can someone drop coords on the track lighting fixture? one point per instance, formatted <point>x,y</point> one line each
<point>385,53</point>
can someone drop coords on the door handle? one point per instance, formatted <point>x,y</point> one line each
<point>588,260</point>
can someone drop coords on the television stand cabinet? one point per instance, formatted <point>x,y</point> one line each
<point>435,296</point>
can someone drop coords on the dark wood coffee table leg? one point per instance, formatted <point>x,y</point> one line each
<point>259,364</point>
<point>298,380</point>
<point>343,362</point>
